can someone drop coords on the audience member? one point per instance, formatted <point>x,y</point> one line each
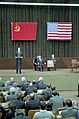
<point>34,83</point>
<point>1,83</point>
<point>24,83</point>
<point>70,111</point>
<point>47,92</point>
<point>12,80</point>
<point>17,89</point>
<point>41,84</point>
<point>36,94</point>
<point>11,94</point>
<point>7,86</point>
<point>39,80</point>
<point>3,111</point>
<point>49,107</point>
<point>56,101</point>
<point>74,103</point>
<point>32,103</point>
<point>20,104</point>
<point>11,113</point>
<point>43,114</point>
<point>29,89</point>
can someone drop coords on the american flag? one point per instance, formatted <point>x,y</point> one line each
<point>59,31</point>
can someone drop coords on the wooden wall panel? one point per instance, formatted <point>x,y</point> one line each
<point>27,63</point>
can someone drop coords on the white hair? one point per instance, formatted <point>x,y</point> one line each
<point>0,78</point>
<point>12,89</point>
<point>40,78</point>
<point>12,78</point>
<point>23,78</point>
<point>19,50</point>
<point>74,103</point>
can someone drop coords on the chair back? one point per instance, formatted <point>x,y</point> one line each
<point>32,112</point>
<point>74,61</point>
<point>70,118</point>
<point>0,115</point>
<point>1,99</point>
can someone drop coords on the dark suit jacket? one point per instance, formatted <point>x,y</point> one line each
<point>29,89</point>
<point>19,104</point>
<point>47,93</point>
<point>10,115</point>
<point>19,55</point>
<point>22,117</point>
<point>32,104</point>
<point>24,85</point>
<point>41,85</point>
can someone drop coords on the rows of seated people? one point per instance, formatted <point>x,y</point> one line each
<point>19,99</point>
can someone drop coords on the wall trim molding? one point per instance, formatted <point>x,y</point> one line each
<point>39,4</point>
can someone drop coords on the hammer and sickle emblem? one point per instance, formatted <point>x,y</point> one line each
<point>17,28</point>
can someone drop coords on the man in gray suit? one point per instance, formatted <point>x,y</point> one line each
<point>56,101</point>
<point>70,111</point>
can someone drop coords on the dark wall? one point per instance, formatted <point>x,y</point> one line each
<point>41,15</point>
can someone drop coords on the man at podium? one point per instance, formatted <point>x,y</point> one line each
<point>18,56</point>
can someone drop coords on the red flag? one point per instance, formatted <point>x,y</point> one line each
<point>24,30</point>
<point>59,31</point>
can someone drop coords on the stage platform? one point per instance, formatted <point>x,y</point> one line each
<point>32,72</point>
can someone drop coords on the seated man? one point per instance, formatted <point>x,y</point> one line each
<point>54,61</point>
<point>43,114</point>
<point>32,103</point>
<point>70,111</point>
<point>35,63</point>
<point>40,62</point>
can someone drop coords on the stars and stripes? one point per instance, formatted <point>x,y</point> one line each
<point>59,31</point>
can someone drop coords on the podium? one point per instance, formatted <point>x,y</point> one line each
<point>18,63</point>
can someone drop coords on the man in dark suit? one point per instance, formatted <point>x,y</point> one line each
<point>40,84</point>
<point>35,63</point>
<point>47,92</point>
<point>32,103</point>
<point>24,83</point>
<point>20,104</point>
<point>18,57</point>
